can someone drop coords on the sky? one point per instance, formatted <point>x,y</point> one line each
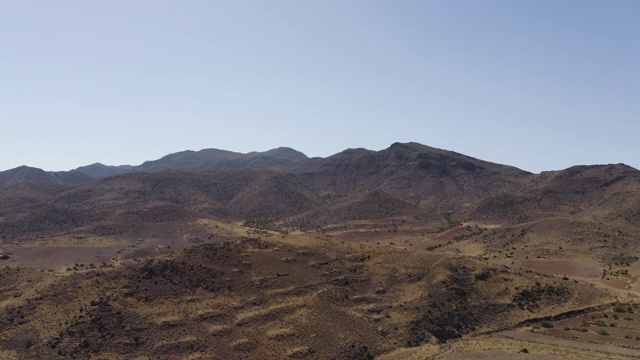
<point>540,85</point>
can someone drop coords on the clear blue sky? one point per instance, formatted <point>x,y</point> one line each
<point>541,85</point>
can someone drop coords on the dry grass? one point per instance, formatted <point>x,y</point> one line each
<point>363,254</point>
<point>329,300</point>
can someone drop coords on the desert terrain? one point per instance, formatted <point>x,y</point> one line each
<point>411,252</point>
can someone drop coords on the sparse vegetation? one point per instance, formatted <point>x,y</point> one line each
<point>546,324</point>
<point>323,265</point>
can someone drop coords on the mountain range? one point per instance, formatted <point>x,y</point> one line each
<point>283,189</point>
<point>360,254</point>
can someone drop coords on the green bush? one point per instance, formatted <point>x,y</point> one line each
<point>546,324</point>
<point>620,308</point>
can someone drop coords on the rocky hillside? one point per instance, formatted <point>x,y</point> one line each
<point>353,256</point>
<point>250,298</point>
<point>24,173</point>
<point>412,183</point>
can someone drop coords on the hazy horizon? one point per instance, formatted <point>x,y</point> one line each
<point>537,85</point>
<point>136,164</point>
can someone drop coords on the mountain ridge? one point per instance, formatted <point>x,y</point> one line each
<point>202,160</point>
<point>408,181</point>
<point>281,158</point>
<point>405,247</point>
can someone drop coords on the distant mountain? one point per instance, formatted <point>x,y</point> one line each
<point>327,243</point>
<point>404,190</point>
<point>405,181</point>
<point>410,157</point>
<point>609,191</point>
<point>135,203</point>
<point>98,170</point>
<point>429,178</point>
<point>207,159</point>
<point>25,173</point>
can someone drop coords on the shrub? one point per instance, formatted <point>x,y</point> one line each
<point>546,324</point>
<point>620,308</point>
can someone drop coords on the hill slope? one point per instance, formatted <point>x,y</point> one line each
<point>306,298</point>
<point>360,254</point>
<point>25,173</point>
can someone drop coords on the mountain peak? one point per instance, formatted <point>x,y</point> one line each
<point>286,153</point>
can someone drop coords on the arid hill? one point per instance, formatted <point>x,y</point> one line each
<point>394,253</point>
<point>25,173</point>
<point>406,185</point>
<point>300,298</point>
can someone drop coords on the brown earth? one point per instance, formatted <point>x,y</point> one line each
<point>298,296</point>
<point>409,252</point>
